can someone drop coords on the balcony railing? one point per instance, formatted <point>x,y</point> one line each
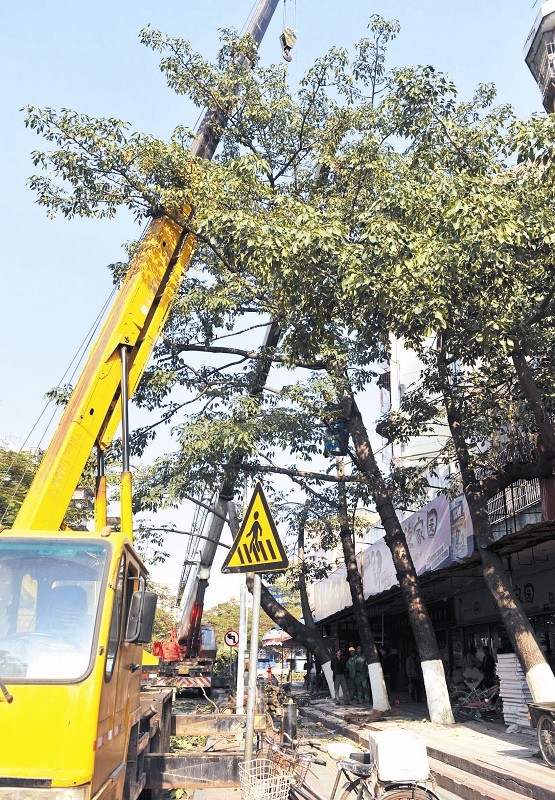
<point>519,496</point>
<point>546,74</point>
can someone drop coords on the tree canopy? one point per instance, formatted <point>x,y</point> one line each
<point>361,204</point>
<point>16,470</point>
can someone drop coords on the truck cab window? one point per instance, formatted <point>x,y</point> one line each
<point>49,600</point>
<point>115,622</point>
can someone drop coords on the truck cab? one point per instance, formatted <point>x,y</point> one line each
<point>73,614</point>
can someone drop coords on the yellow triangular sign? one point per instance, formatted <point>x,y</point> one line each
<point>257,546</point>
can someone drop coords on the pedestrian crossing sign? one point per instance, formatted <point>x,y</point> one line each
<point>257,546</point>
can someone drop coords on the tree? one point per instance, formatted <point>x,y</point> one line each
<point>16,471</point>
<point>274,242</point>
<point>166,614</point>
<point>354,579</point>
<point>465,276</point>
<point>261,192</point>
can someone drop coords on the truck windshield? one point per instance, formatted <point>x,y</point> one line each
<point>49,597</point>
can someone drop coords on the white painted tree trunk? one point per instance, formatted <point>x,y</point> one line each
<point>380,700</point>
<point>437,696</point>
<point>541,682</point>
<point>328,674</point>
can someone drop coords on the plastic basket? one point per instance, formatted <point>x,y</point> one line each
<point>261,779</point>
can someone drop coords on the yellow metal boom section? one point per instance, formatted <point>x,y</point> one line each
<point>93,413</point>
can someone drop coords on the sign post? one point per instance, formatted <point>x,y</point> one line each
<point>256,548</point>
<point>253,667</point>
<point>240,703</point>
<point>231,638</point>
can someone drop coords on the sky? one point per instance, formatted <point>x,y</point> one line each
<point>87,57</point>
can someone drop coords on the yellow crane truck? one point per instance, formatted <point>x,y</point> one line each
<point>74,610</point>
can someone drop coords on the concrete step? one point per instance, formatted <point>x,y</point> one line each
<point>470,787</point>
<point>444,794</point>
<point>471,764</point>
<point>522,777</point>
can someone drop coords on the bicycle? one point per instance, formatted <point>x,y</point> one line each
<point>359,774</point>
<point>477,704</point>
<point>542,717</point>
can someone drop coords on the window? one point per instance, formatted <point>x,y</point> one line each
<point>49,599</point>
<point>115,622</point>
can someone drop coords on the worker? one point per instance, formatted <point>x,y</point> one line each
<point>351,672</point>
<point>488,668</point>
<point>339,668</point>
<point>362,682</point>
<point>246,676</point>
<point>414,675</point>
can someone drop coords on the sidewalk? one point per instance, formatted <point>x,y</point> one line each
<point>474,760</point>
<point>470,761</point>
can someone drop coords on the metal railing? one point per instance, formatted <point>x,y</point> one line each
<point>546,74</point>
<point>519,496</point>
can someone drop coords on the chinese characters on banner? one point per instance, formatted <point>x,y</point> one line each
<point>437,535</point>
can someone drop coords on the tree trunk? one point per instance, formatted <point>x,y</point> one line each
<point>307,637</point>
<point>305,605</point>
<point>529,387</point>
<point>539,675</point>
<point>380,700</point>
<point>437,696</point>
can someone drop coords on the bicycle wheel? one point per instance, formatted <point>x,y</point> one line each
<point>355,788</point>
<point>409,793</point>
<point>462,713</point>
<point>546,739</point>
<point>358,789</point>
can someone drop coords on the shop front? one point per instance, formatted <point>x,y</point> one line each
<point>462,610</point>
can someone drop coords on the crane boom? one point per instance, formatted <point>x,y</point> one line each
<point>74,607</point>
<point>135,320</point>
<point>193,593</point>
<point>93,412</point>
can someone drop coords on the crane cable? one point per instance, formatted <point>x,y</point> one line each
<point>288,36</point>
<point>75,362</point>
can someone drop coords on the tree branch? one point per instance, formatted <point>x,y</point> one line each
<point>299,473</point>
<point>245,354</point>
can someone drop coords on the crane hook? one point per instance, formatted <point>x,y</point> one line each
<point>287,41</point>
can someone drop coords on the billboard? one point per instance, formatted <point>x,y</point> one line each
<point>437,535</point>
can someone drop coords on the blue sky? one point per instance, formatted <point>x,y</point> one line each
<point>88,57</point>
